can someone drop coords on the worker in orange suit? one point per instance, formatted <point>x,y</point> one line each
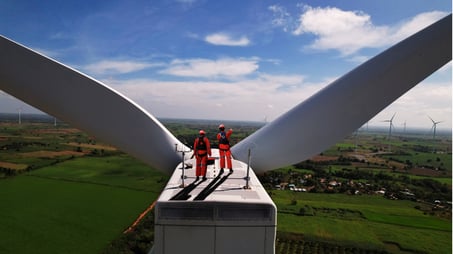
<point>202,149</point>
<point>224,148</point>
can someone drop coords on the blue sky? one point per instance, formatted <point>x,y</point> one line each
<point>231,60</point>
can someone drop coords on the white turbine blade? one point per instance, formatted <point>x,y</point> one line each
<point>86,104</point>
<point>343,106</point>
<point>391,119</point>
<point>434,122</point>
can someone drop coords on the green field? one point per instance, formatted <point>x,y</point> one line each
<point>120,171</point>
<point>78,206</point>
<point>64,192</point>
<point>362,220</point>
<point>81,205</point>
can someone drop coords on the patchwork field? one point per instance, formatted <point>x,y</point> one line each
<point>62,191</point>
<point>368,222</point>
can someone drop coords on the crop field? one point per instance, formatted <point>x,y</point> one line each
<point>78,206</point>
<point>119,171</point>
<point>370,222</point>
<point>42,215</point>
<point>63,191</point>
<point>67,194</point>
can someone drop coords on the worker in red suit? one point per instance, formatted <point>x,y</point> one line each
<point>202,149</point>
<point>224,148</point>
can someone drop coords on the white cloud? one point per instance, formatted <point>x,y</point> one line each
<point>226,67</point>
<point>262,96</point>
<point>224,39</point>
<point>281,17</point>
<point>116,67</point>
<point>350,31</point>
<point>414,107</point>
<point>283,82</point>
<point>340,30</point>
<point>415,24</point>
<point>247,99</point>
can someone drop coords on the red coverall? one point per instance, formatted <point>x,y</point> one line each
<point>202,149</point>
<point>224,148</point>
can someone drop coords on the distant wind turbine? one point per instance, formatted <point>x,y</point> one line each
<point>20,115</point>
<point>434,127</point>
<point>390,121</point>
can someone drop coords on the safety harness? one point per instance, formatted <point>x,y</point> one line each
<point>201,146</point>
<point>223,139</point>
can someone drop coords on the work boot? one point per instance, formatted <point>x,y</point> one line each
<point>221,171</point>
<point>231,171</point>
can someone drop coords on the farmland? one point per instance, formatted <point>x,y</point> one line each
<point>66,192</point>
<point>62,192</point>
<point>41,215</point>
<point>365,222</point>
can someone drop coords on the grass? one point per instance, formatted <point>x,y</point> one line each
<point>50,216</point>
<point>119,171</point>
<point>341,232</point>
<point>421,159</point>
<point>416,221</point>
<point>78,206</point>
<point>377,221</point>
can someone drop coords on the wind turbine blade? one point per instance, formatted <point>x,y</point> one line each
<point>391,119</point>
<point>434,122</point>
<point>347,103</point>
<point>86,104</point>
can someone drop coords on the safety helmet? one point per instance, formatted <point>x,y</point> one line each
<point>202,132</point>
<point>221,126</point>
